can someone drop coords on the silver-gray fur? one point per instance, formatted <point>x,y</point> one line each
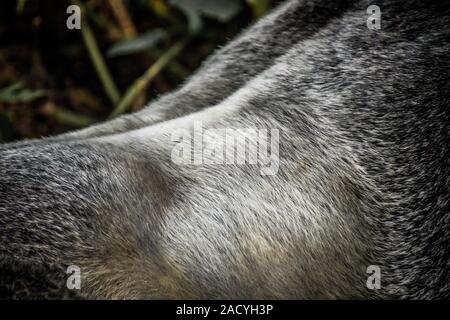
<point>363,174</point>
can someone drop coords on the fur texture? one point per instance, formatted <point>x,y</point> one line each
<point>363,171</point>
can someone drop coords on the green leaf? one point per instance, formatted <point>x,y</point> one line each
<point>141,43</point>
<point>17,93</point>
<point>259,7</point>
<point>20,6</point>
<point>221,10</point>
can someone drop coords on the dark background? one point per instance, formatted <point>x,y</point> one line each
<point>50,84</point>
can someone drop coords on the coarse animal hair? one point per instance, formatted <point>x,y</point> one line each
<point>362,176</point>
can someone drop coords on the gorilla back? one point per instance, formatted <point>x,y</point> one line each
<point>360,179</point>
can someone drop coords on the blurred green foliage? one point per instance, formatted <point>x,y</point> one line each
<point>53,79</point>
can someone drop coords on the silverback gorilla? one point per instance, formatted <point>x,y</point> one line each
<point>358,123</point>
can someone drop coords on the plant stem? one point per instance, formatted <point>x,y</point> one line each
<point>97,59</point>
<point>67,117</point>
<point>142,82</point>
<point>122,16</point>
